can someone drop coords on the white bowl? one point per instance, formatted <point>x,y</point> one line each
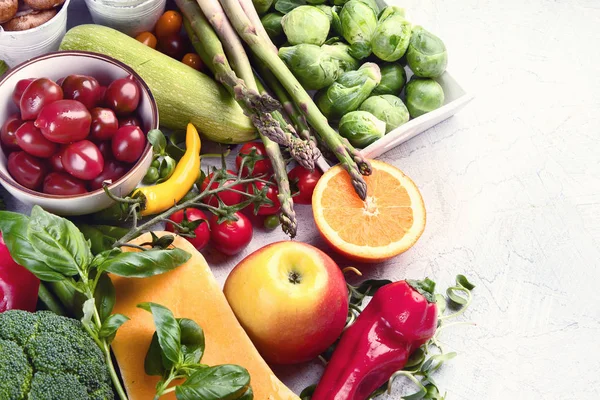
<point>55,66</point>
<point>131,17</point>
<point>18,46</point>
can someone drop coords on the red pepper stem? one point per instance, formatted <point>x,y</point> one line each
<point>425,287</point>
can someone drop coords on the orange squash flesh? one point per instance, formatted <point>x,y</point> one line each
<point>190,291</point>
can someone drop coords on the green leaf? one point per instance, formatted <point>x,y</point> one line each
<point>426,287</point>
<point>14,228</point>
<point>415,359</point>
<point>307,393</point>
<point>452,293</point>
<point>143,264</point>
<point>88,312</point>
<point>192,341</point>
<point>167,167</point>
<point>285,6</point>
<point>221,382</point>
<point>436,361</point>
<point>153,363</point>
<point>3,67</point>
<point>60,245</point>
<point>440,301</point>
<point>105,296</point>
<point>462,280</point>
<point>417,395</point>
<point>371,286</point>
<point>249,395</point>
<point>109,327</point>
<point>102,237</point>
<point>167,329</point>
<point>157,140</point>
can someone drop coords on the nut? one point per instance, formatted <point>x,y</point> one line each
<point>43,4</point>
<point>8,9</point>
<point>29,21</point>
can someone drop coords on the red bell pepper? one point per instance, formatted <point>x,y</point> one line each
<point>401,317</point>
<point>18,287</point>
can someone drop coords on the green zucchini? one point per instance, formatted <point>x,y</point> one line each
<point>182,94</point>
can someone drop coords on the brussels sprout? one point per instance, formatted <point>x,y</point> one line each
<point>370,3</point>
<point>361,128</point>
<point>426,55</point>
<point>262,6</point>
<point>327,10</point>
<point>358,22</point>
<point>285,6</point>
<point>306,24</point>
<point>390,109</point>
<point>272,24</point>
<point>392,35</point>
<point>423,95</point>
<point>341,53</point>
<point>349,91</point>
<point>316,2</point>
<point>311,65</point>
<point>393,79</point>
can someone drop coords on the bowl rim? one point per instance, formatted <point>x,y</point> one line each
<point>89,54</point>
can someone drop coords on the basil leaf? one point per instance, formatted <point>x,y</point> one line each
<point>153,363</point>
<point>109,327</point>
<point>221,382</point>
<point>157,140</point>
<point>14,228</point>
<point>192,341</point>
<point>452,293</point>
<point>285,6</point>
<point>462,280</point>
<point>307,393</point>
<point>60,245</point>
<point>142,264</point>
<point>102,237</point>
<point>249,395</point>
<point>167,329</point>
<point>105,296</point>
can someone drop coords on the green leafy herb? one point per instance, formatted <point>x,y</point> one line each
<point>218,382</point>
<point>167,329</point>
<point>143,264</point>
<point>192,341</point>
<point>102,237</point>
<point>158,141</point>
<point>105,296</point>
<point>109,327</point>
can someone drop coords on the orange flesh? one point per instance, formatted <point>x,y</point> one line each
<point>384,218</point>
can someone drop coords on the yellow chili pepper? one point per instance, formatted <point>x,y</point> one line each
<point>161,197</point>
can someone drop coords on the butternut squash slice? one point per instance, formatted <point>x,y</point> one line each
<point>190,291</point>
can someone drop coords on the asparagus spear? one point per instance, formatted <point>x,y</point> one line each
<point>262,48</point>
<point>211,51</point>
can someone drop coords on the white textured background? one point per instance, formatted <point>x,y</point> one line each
<point>512,189</point>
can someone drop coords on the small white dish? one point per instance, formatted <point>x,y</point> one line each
<point>104,69</point>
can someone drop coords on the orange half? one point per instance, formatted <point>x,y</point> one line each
<point>387,223</point>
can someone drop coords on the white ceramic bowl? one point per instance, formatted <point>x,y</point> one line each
<point>131,17</point>
<point>55,66</point>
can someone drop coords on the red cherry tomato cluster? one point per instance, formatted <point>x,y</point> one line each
<point>168,39</point>
<point>71,135</point>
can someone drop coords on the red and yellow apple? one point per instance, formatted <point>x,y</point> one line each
<point>292,300</point>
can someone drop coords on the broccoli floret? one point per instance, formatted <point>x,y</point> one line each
<point>46,356</point>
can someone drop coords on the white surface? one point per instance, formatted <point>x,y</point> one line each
<point>512,189</point>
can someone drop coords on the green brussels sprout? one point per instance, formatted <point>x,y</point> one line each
<point>349,91</point>
<point>272,24</point>
<point>262,6</point>
<point>306,24</point>
<point>316,2</point>
<point>361,128</point>
<point>327,10</point>
<point>341,53</point>
<point>392,35</point>
<point>426,55</point>
<point>370,3</point>
<point>393,79</point>
<point>311,65</point>
<point>358,22</point>
<point>423,95</point>
<point>388,108</point>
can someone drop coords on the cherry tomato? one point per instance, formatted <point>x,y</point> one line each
<point>173,46</point>
<point>64,121</point>
<point>304,182</point>
<point>26,169</point>
<point>147,38</point>
<point>130,120</point>
<point>61,183</point>
<point>7,133</point>
<point>55,160</point>
<point>38,94</point>
<point>256,162</point>
<point>193,60</point>
<point>85,89</point>
<point>201,231</point>
<point>113,171</point>
<point>83,160</point>
<point>19,89</point>
<point>272,193</point>
<point>168,24</point>
<point>18,287</point>
<point>31,140</point>
<point>104,123</point>
<point>105,148</point>
<point>271,222</point>
<point>228,197</point>
<point>231,237</point>
<point>128,144</point>
<point>123,96</point>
